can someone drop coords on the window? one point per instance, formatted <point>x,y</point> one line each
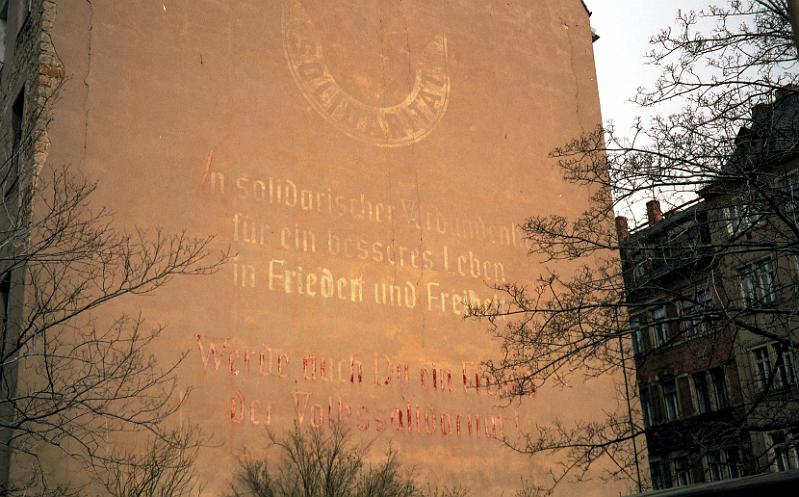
<point>704,300</point>
<point>765,279</point>
<point>786,373</point>
<point>715,468</point>
<point>765,358</point>
<point>762,366</point>
<point>702,392</point>
<point>723,464</point>
<point>660,325</point>
<point>5,302</point>
<point>646,408</point>
<point>757,283</point>
<point>732,463</point>
<point>782,452</point>
<point>682,472</point>
<point>788,191</point>
<point>740,218</point>
<point>660,477</point>
<point>670,400</point>
<point>637,336</point>
<point>734,219</point>
<point>18,110</point>
<point>693,312</point>
<point>782,459</point>
<point>688,317</point>
<point>748,286</point>
<point>10,179</point>
<point>720,388</point>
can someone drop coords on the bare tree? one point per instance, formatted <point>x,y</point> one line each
<point>71,376</point>
<point>321,463</point>
<point>163,468</point>
<point>710,277</point>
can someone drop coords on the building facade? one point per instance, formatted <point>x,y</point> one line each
<point>364,163</point>
<point>712,293</point>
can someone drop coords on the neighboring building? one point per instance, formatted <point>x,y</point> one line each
<point>365,161</point>
<point>782,484</point>
<point>714,313</point>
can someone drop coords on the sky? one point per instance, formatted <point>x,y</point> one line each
<point>624,27</point>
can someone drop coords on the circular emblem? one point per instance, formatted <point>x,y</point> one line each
<point>392,126</point>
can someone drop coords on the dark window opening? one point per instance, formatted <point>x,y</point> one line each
<point>720,386</point>
<point>5,297</point>
<point>10,176</point>
<point>702,393</point>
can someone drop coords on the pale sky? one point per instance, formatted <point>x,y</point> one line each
<point>624,27</point>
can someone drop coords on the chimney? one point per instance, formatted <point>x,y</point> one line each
<point>622,230</point>
<point>653,213</point>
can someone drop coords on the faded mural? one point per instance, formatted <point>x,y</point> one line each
<point>368,163</point>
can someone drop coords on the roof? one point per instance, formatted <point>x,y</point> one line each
<point>673,217</point>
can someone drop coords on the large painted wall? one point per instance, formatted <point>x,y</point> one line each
<point>368,162</point>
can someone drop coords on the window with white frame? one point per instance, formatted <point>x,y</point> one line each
<point>722,464</point>
<point>670,401</point>
<point>741,217</point>
<point>762,366</point>
<point>660,325</point>
<point>758,283</point>
<point>788,190</point>
<point>747,286</point>
<point>764,271</point>
<point>765,362</point>
<point>783,451</point>
<point>786,372</point>
<point>736,219</point>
